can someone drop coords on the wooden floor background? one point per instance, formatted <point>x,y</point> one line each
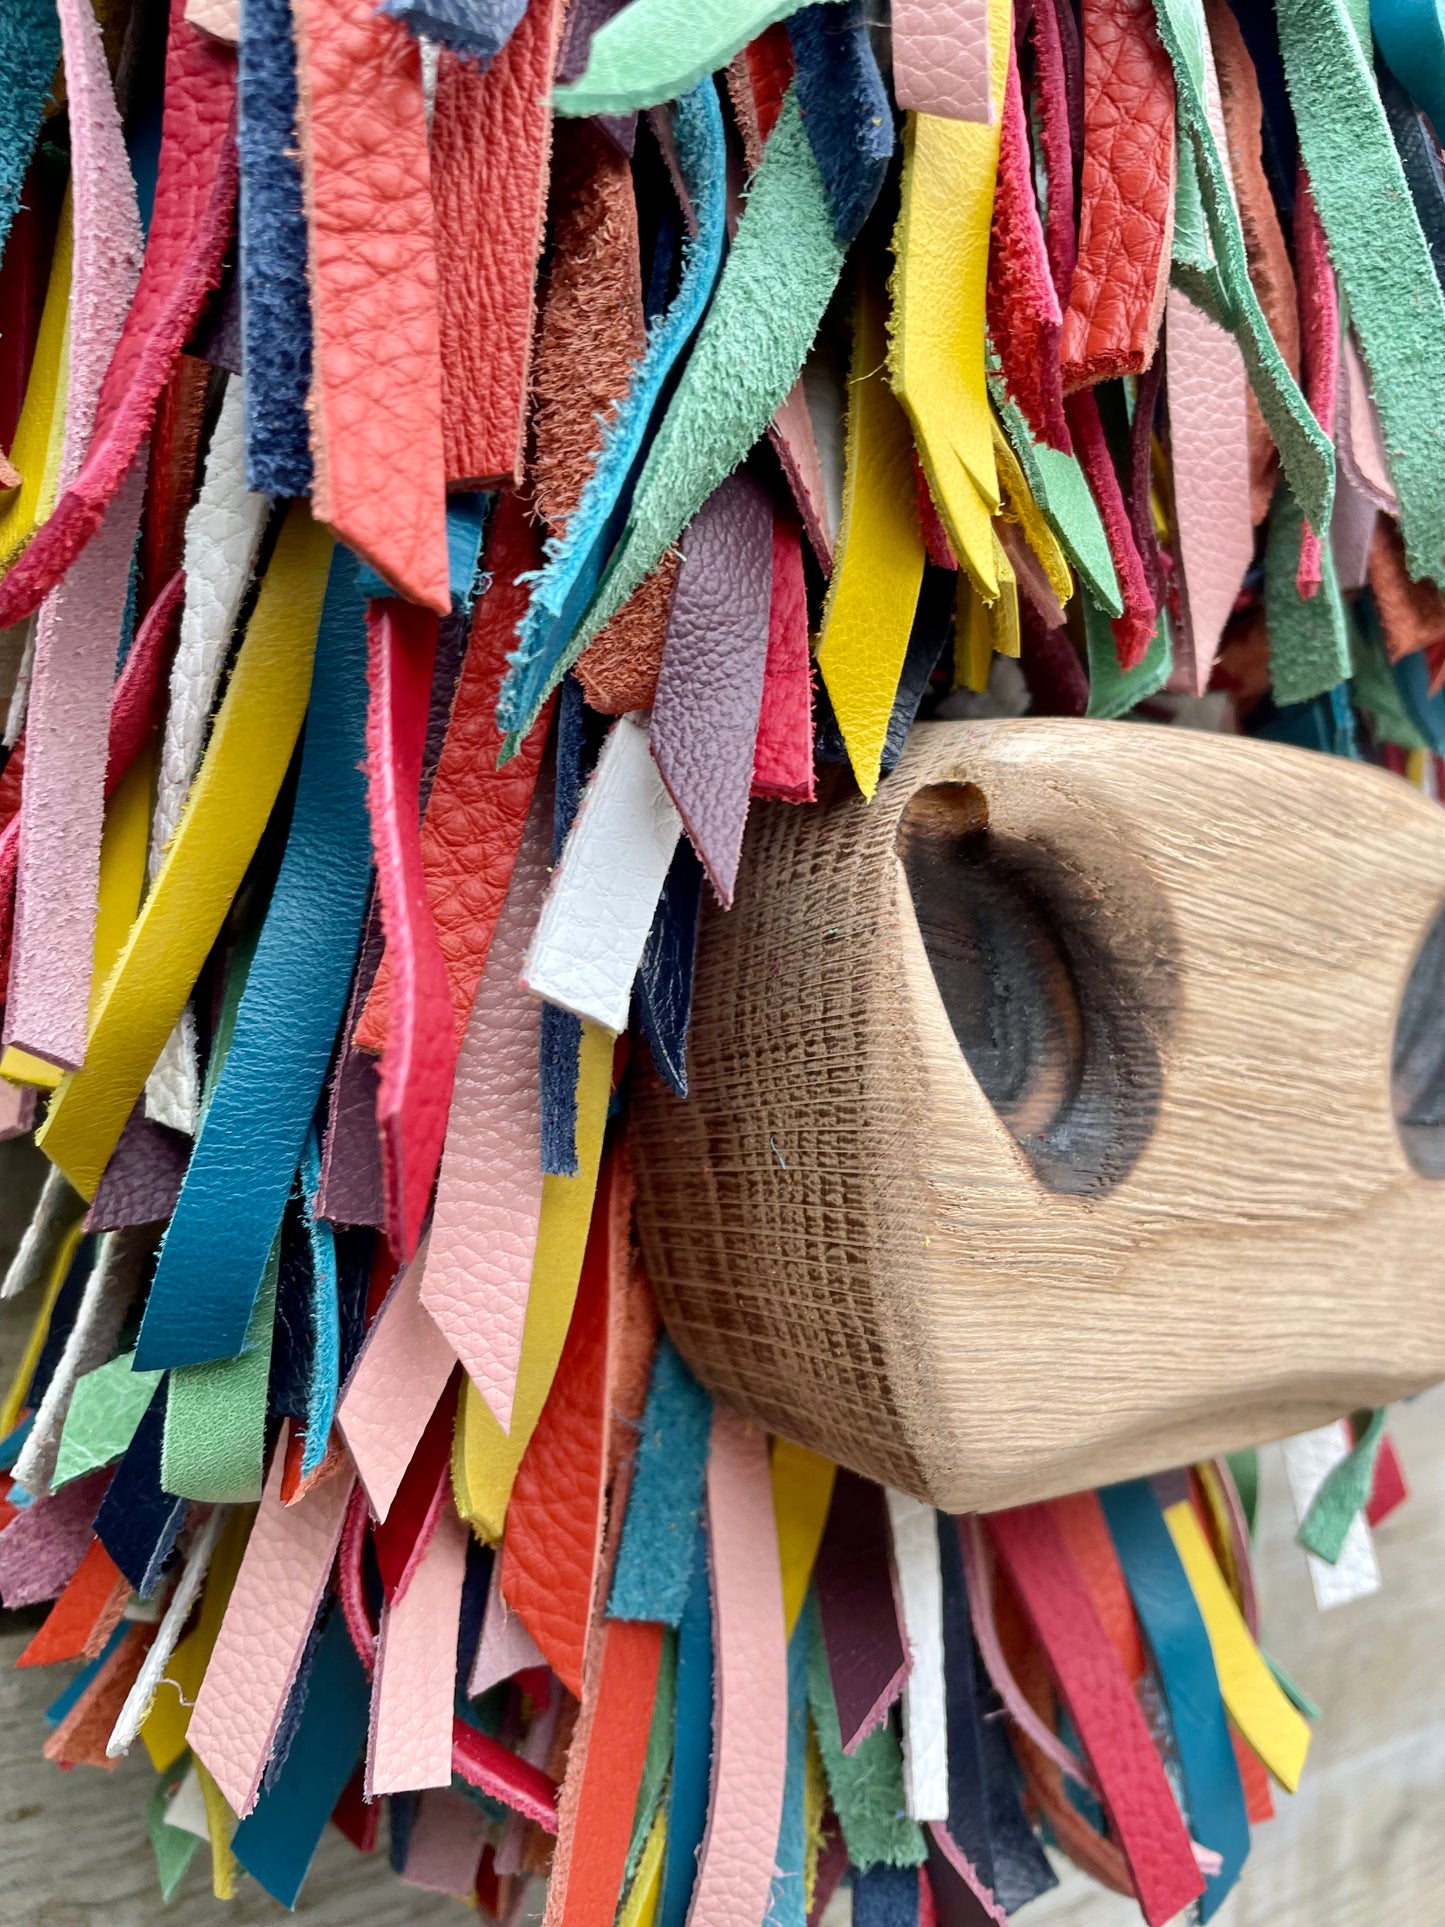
<point>1361,1845</point>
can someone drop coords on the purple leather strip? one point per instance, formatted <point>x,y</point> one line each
<point>141,1183</point>
<point>351,1188</point>
<point>710,688</point>
<point>862,1633</point>
<point>41,1548</point>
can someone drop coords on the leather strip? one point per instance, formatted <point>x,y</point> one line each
<point>79,1738</point>
<point>32,49</point>
<point>1056,483</point>
<point>85,1615</point>
<point>654,1566</point>
<point>787,1905</point>
<point>42,1546</point>
<point>617,856</point>
<point>1057,53</point>
<point>158,1657</point>
<point>175,453</point>
<point>375,401</point>
<point>873,593</point>
<point>783,754</point>
<point>445,1844</point>
<point>866,1786</point>
<point>1101,1705</point>
<point>802,1493</point>
<point>1080,1518</point>
<point>57,1211</point>
<point>705,718</point>
<point>24,1376</point>
<point>655,50</point>
<point>1254,1701</point>
<point>215,1433</point>
<point>920,1590</point>
<point>491,148</point>
<point>1354,1573</point>
<point>1320,327</point>
<point>1309,647</point>
<point>487,1458</point>
<point>323,1378</point>
<point>41,421</point>
<point>251,1140</point>
<point>400,1541</point>
<point>139,1521</point>
<point>845,106</point>
<point>104,1415</point>
<point>868,1657</point>
<point>190,224</point>
<point>165,1727</point>
<point>1025,321</point>
<point>663,991</point>
<point>505,1648</point>
<point>419,1059</point>
<point>940,58</point>
<point>219,18</point>
<point>400,1373</point>
<point>411,1698</point>
<point>693,1724</point>
<point>228,807</point>
<point>1135,627</point>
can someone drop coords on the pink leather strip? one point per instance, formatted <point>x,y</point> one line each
<point>489,1198</point>
<point>750,1717</point>
<point>220,18</point>
<point>447,1837</point>
<point>783,754</point>
<point>1360,444</point>
<point>487,1765</point>
<point>940,58</point>
<point>399,1375</point>
<point>506,1648</point>
<point>190,225</point>
<point>376,412</point>
<point>417,1063</point>
<point>268,1620</point>
<point>411,1698</point>
<point>1320,341</point>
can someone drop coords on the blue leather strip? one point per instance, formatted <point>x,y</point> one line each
<point>65,1702</point>
<point>653,1575</point>
<point>138,1524</point>
<point>886,1897</point>
<point>566,585</point>
<point>1021,1870</point>
<point>1174,1628</point>
<point>251,1138</point>
<point>664,977</point>
<point>29,50</point>
<point>277,1839</point>
<point>846,109</point>
<point>787,1902</point>
<point>692,1748</point>
<point>967,1787</point>
<point>559,1039</point>
<point>271,220</point>
<point>324,1378</point>
<point>478,28</point>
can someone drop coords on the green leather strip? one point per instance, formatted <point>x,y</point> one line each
<point>105,1408</point>
<point>1344,1494</point>
<point>1114,691</point>
<point>174,1847</point>
<point>1194,268</point>
<point>775,284</point>
<point>1057,484</point>
<point>215,1437</point>
<point>1374,690</point>
<point>1309,639</point>
<point>1305,450</point>
<point>654,50</point>
<point>866,1784</point>
<point>1380,255</point>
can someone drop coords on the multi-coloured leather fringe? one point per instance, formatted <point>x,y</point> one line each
<point>457,457</point>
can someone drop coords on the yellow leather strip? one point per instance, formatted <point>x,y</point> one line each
<point>640,1907</point>
<point>1252,1696</point>
<point>1004,615</point>
<point>802,1493</point>
<point>122,877</point>
<point>874,590</point>
<point>484,1457</point>
<point>39,1331</point>
<point>972,638</point>
<point>221,1822</point>
<point>42,413</point>
<point>167,1723</point>
<point>1220,1534</point>
<point>1020,507</point>
<point>226,811</point>
<point>939,292</point>
<point>815,1802</point>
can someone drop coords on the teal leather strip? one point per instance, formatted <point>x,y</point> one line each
<point>1112,690</point>
<point>654,50</point>
<point>323,1380</point>
<point>215,1435</point>
<point>29,51</point>
<point>1411,36</point>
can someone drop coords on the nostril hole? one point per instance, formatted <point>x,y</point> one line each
<point>1417,1069</point>
<point>1022,950</point>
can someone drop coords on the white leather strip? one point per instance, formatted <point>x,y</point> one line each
<point>920,1593</point>
<point>178,1611</point>
<point>1309,1459</point>
<point>187,1809</point>
<point>595,921</point>
<point>219,18</point>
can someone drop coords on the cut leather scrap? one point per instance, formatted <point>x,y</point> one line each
<point>58,1209</point>
<point>941,58</point>
<point>802,1494</point>
<point>662,994</point>
<point>692,1739</point>
<point>42,1546</point>
<point>194,197</point>
<point>486,1458</point>
<point>375,402</point>
<point>655,50</point>
<point>215,1440</point>
<point>1320,317</point>
<point>42,413</point>
<point>1114,691</point>
<point>867,1785</point>
<point>868,1656</point>
<point>85,1615</point>
<point>1056,483</point>
<point>105,1408</point>
<point>139,1521</point>
<point>783,754</point>
<point>178,1610</point>
<point>845,108</point>
<point>547,643</point>
<point>400,1373</point>
<point>256,1121</point>
<point>225,813</point>
<point>914,1530</point>
<point>873,592</point>
<point>1309,646</point>
<point>37,1344</point>
<point>491,145</point>
<point>1134,628</point>
<point>654,1558</point>
<point>1025,321</point>
<point>411,1697</point>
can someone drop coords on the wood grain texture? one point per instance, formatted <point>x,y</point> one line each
<point>1194,1229</point>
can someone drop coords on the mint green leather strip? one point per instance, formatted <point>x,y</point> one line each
<point>105,1408</point>
<point>215,1435</point>
<point>1344,1494</point>
<point>1112,690</point>
<point>654,50</point>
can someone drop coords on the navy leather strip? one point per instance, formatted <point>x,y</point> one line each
<point>1174,1628</point>
<point>664,978</point>
<point>560,1033</point>
<point>251,1138</point>
<point>967,1787</point>
<point>886,1897</point>
<point>138,1524</point>
<point>846,109</point>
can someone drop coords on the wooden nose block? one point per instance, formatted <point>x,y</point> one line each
<point>1042,1128</point>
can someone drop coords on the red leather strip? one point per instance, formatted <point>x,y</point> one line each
<point>783,754</point>
<point>1141,1808</point>
<point>1086,1533</point>
<point>487,1765</point>
<point>491,143</point>
<point>171,474</point>
<point>1320,329</point>
<point>404,1534</point>
<point>1051,93</point>
<point>190,226</point>
<point>1024,318</point>
<point>554,1519</point>
<point>770,68</point>
<point>1254,1778</point>
<point>1134,629</point>
<point>1389,1489</point>
<point>476,812</point>
<point>85,1615</point>
<point>420,1053</point>
<point>376,437</point>
<point>1126,219</point>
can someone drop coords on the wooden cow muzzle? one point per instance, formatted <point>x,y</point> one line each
<point>1066,1113</point>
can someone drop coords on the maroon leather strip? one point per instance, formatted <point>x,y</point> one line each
<point>1141,446</point>
<point>867,1656</point>
<point>1135,628</point>
<point>1055,147</point>
<point>171,474</point>
<point>783,755</point>
<point>351,1187</point>
<point>190,226</point>
<point>405,1533</point>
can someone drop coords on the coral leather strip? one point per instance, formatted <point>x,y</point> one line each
<point>873,592</point>
<point>489,1195</point>
<point>654,50</point>
<point>710,689</point>
<point>939,287</point>
<point>250,1142</point>
<point>1081,1520</point>
<point>190,224</point>
<point>230,802</point>
<point>268,1618</point>
<point>411,1695</point>
<point>594,922</point>
<point>1126,218</point>
<point>85,1615</point>
<point>475,813</point>
<point>920,1588</point>
<point>940,58</point>
<point>491,147</point>
<point>1213,1796</point>
<point>487,1457</point>
<point>376,375</point>
<point>400,1373</point>
<point>420,1055</point>
<point>1135,1793</point>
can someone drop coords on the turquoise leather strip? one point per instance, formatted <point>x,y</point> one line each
<point>29,51</point>
<point>654,50</point>
<point>1411,36</point>
<point>323,1379</point>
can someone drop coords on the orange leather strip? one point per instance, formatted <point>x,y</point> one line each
<point>85,1615</point>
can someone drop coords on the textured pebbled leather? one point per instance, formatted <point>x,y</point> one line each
<point>375,399</point>
<point>783,754</point>
<point>1086,1533</point>
<point>175,453</point>
<point>400,1373</point>
<point>190,224</point>
<point>705,716</point>
<point>914,1530</point>
<point>268,1619</point>
<point>411,1696</point>
<point>589,937</point>
<point>489,1196</point>
<point>940,58</point>
<point>1126,221</point>
<point>491,145</point>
